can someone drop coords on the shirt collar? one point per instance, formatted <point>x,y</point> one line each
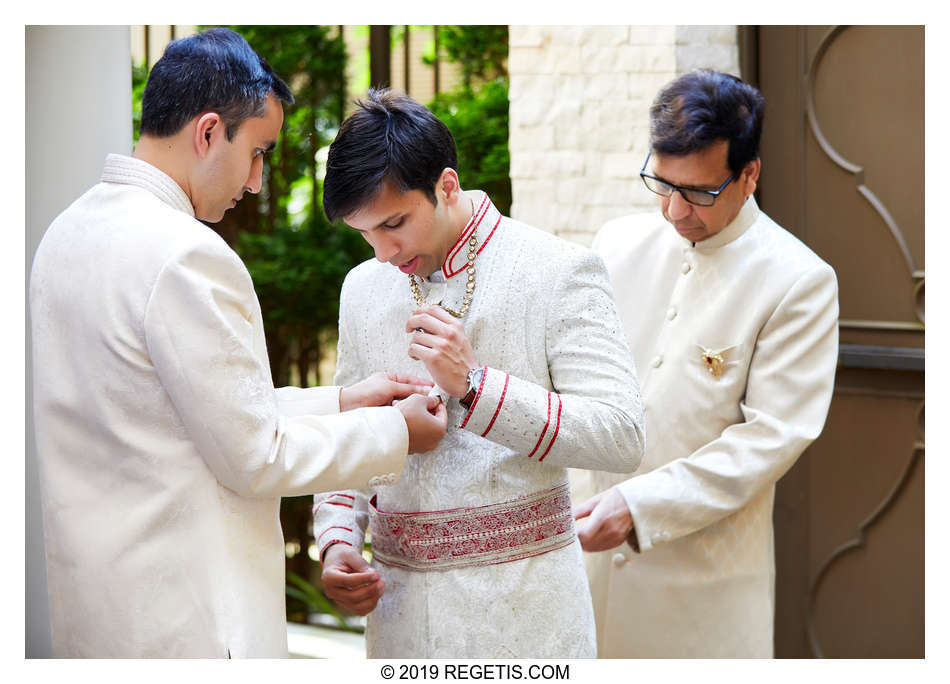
<point>483,222</point>
<point>119,168</point>
<point>739,225</point>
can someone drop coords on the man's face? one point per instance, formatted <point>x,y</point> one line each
<point>706,169</point>
<point>405,230</point>
<point>234,167</point>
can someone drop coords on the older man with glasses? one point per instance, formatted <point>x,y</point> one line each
<point>732,322</point>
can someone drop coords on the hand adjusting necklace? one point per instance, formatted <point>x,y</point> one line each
<point>469,286</point>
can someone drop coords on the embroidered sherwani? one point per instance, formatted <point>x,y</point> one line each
<point>163,447</point>
<point>559,391</point>
<point>758,299</point>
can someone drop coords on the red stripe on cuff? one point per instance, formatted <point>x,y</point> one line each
<point>557,426</point>
<point>333,541</point>
<point>500,402</point>
<point>547,422</point>
<point>334,527</point>
<point>346,495</point>
<point>478,394</point>
<point>332,503</point>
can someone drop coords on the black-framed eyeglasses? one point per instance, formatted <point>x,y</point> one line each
<point>702,198</point>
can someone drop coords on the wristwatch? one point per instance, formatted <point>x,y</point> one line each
<point>474,381</point>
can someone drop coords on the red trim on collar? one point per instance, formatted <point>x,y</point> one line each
<point>492,232</point>
<point>557,426</point>
<point>470,229</point>
<point>334,527</point>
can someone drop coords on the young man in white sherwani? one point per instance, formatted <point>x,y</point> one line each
<point>734,325</point>
<point>163,446</point>
<point>474,547</point>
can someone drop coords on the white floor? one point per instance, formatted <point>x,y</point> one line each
<point>308,641</point>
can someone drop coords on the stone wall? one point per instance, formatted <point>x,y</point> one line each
<point>580,97</point>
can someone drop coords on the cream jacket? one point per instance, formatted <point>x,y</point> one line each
<point>163,446</point>
<point>560,391</point>
<point>703,582</point>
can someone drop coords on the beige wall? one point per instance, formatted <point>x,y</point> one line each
<point>159,35</point>
<point>421,86</point>
<point>580,97</point>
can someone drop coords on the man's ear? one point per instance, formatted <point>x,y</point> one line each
<point>447,188</point>
<point>750,176</point>
<point>208,128</point>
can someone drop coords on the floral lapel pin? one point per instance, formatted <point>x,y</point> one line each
<point>713,361</point>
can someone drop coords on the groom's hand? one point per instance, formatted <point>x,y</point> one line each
<point>381,389</point>
<point>350,581</point>
<point>440,342</point>
<point>609,521</point>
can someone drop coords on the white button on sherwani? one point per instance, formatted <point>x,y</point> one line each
<point>163,446</point>
<point>736,385</point>
<point>559,391</point>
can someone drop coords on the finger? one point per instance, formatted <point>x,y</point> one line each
<point>365,603</point>
<point>442,415</point>
<point>365,608</point>
<point>425,339</point>
<point>401,391</point>
<point>349,580</point>
<point>433,402</point>
<point>371,592</point>
<point>583,536</point>
<point>440,313</point>
<point>582,510</point>
<point>409,379</point>
<point>427,322</point>
<point>418,352</point>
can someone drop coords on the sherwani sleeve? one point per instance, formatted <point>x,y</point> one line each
<point>788,391</point>
<point>592,417</point>
<point>302,401</point>
<point>206,342</point>
<point>342,516</point>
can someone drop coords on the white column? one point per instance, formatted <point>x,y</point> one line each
<point>78,109</point>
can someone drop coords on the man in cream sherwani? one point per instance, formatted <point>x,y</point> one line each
<point>163,445</point>
<point>474,548</point>
<point>733,323</point>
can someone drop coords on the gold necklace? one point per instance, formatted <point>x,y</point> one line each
<point>469,286</point>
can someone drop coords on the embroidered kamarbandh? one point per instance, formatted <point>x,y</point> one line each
<point>483,535</point>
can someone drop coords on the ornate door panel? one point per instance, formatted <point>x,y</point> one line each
<point>843,168</point>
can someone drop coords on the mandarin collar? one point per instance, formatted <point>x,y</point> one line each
<point>739,225</point>
<point>483,222</point>
<point>119,168</point>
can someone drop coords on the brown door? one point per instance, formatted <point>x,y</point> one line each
<point>843,169</point>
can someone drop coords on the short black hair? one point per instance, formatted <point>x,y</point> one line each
<point>215,70</point>
<point>702,107</point>
<point>389,138</point>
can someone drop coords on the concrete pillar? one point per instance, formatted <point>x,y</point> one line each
<point>78,109</point>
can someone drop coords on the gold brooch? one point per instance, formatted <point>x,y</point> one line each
<point>714,363</point>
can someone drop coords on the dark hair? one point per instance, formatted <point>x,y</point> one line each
<point>703,107</point>
<point>215,70</point>
<point>390,138</point>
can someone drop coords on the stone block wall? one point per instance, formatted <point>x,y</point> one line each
<point>580,97</point>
